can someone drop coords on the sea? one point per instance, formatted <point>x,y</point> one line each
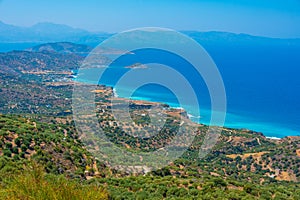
<point>16,46</point>
<point>262,84</point>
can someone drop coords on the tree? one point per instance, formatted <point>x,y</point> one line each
<point>8,145</point>
<point>18,142</point>
<point>15,150</point>
<point>7,152</point>
<point>23,148</point>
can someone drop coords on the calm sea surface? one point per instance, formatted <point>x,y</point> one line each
<point>262,85</point>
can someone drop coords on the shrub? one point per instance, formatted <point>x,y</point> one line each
<point>15,150</point>
<point>34,184</point>
<point>7,152</point>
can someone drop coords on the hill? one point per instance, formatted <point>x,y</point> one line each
<point>62,47</point>
<point>34,154</point>
<point>41,150</point>
<point>47,32</point>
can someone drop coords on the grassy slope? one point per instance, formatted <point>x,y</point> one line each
<point>21,178</point>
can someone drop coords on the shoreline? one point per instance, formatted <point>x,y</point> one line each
<point>275,138</point>
<point>190,116</point>
<point>196,118</point>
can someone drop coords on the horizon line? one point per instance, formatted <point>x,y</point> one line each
<point>115,32</point>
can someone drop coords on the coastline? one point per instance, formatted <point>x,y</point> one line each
<point>235,117</point>
<point>274,138</point>
<point>239,122</point>
<point>194,119</point>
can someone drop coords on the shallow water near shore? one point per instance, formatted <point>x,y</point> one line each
<point>232,120</point>
<point>261,81</point>
<point>155,93</point>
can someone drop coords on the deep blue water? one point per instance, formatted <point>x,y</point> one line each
<point>262,85</point>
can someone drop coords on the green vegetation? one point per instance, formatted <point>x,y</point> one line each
<point>33,183</point>
<point>43,157</point>
<point>204,187</point>
<point>57,147</point>
<point>62,174</point>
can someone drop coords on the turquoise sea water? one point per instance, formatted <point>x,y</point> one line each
<point>262,84</point>
<point>235,117</point>
<point>268,128</point>
<point>233,120</point>
<point>261,80</point>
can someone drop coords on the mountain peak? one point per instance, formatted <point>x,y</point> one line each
<point>52,27</point>
<point>42,24</point>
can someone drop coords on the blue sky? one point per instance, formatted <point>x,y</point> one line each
<point>273,18</point>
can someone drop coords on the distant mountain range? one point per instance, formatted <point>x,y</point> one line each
<point>49,32</point>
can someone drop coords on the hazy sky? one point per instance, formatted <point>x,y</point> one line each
<point>275,18</point>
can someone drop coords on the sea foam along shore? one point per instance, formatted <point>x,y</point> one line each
<point>115,92</point>
<point>267,130</point>
<point>274,138</point>
<point>195,119</point>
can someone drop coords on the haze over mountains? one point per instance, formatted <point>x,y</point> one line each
<point>252,67</point>
<point>50,32</point>
<point>47,32</point>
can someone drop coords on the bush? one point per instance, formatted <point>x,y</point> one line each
<point>7,152</point>
<point>34,184</point>
<point>18,142</point>
<point>15,150</point>
<point>8,145</point>
<point>23,148</point>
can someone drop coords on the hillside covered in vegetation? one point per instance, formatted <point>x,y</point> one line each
<point>44,156</point>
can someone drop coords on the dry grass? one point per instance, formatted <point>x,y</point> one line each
<point>298,152</point>
<point>246,155</point>
<point>34,184</point>
<point>285,176</point>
